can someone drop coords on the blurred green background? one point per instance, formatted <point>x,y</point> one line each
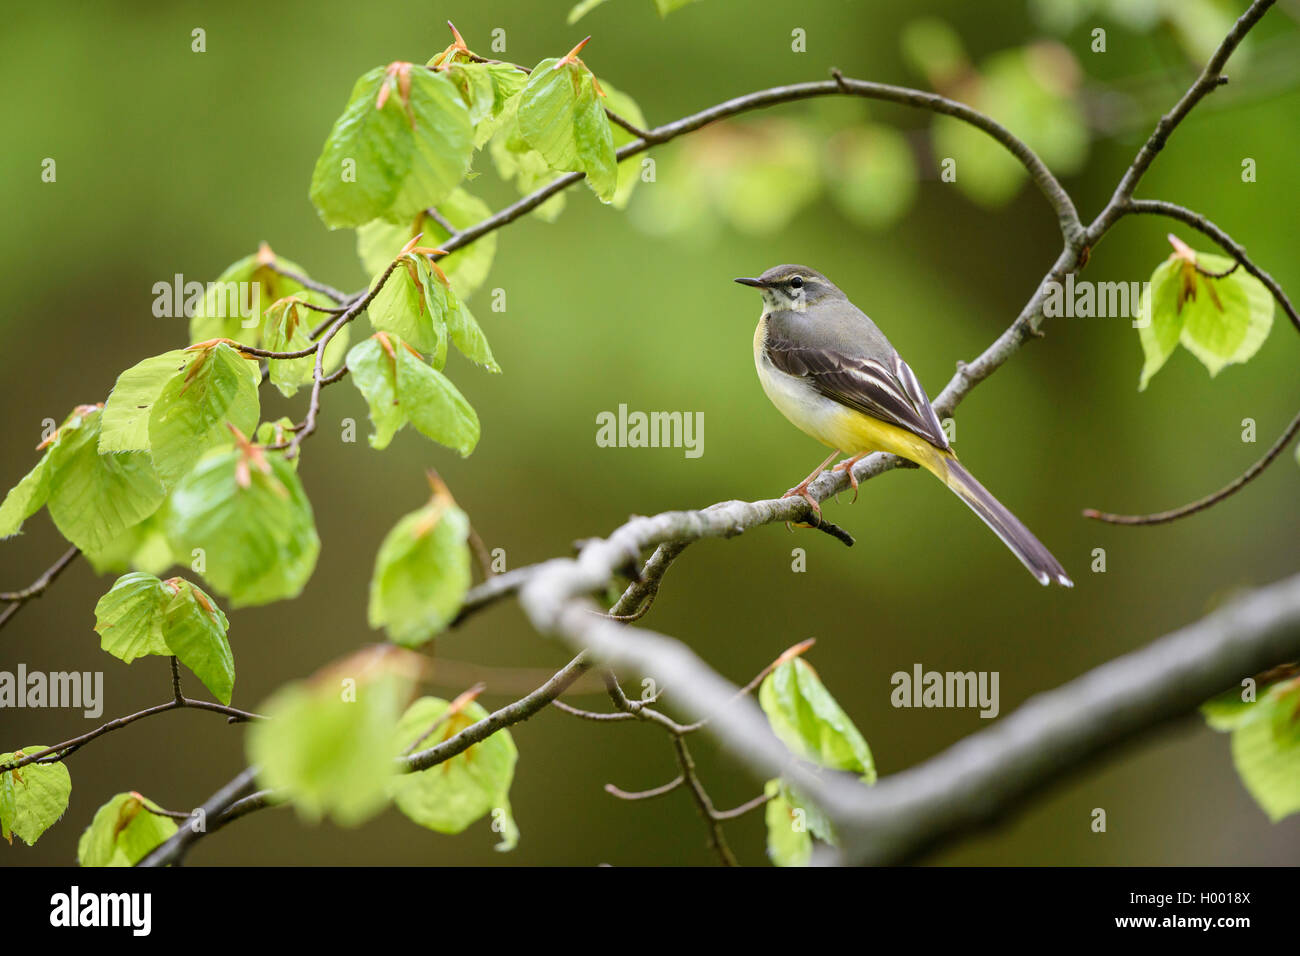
<point>171,161</point>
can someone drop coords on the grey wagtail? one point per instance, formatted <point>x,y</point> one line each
<point>829,370</point>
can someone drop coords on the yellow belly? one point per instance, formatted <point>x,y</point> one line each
<point>833,424</point>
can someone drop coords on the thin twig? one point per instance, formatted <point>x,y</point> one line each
<point>60,752</point>
<point>17,599</point>
<point>668,787</point>
<point>1249,475</point>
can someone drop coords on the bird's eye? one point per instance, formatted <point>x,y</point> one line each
<point>796,282</point>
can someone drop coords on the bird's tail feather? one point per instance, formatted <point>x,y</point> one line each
<point>1031,552</point>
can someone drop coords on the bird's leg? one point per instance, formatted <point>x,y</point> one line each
<point>801,490</point>
<point>847,465</point>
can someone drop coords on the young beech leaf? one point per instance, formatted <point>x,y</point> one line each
<point>515,159</point>
<point>421,573</point>
<point>1164,321</point>
<point>32,798</point>
<point>123,832</point>
<point>434,406</point>
<point>287,329</point>
<point>126,413</point>
<point>379,242</point>
<point>1222,321</point>
<point>374,373</point>
<point>789,841</point>
<point>629,173</point>
<point>25,498</point>
<point>1265,743</point>
<point>485,88</point>
<point>195,631</point>
<point>808,720</point>
<point>330,741</point>
<point>404,142</point>
<point>94,498</point>
<point>403,306</point>
<point>129,618</point>
<point>248,513</point>
<point>217,388</point>
<point>227,306</point>
<point>449,797</point>
<point>562,116</point>
<point>141,547</point>
<point>466,334</point>
<point>399,387</point>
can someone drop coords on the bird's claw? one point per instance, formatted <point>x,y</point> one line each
<point>801,491</point>
<point>847,466</point>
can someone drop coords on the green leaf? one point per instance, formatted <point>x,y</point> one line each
<point>449,797</point>
<point>403,306</point>
<point>93,498</point>
<point>1266,751</point>
<point>1230,710</point>
<point>232,305</point>
<point>434,406</point>
<point>581,9</point>
<point>33,797</point>
<point>129,618</point>
<point>253,522</point>
<point>217,388</point>
<point>422,573</point>
<point>789,842</point>
<point>141,547</point>
<point>515,159</point>
<point>1221,321</point>
<point>399,387</point>
<point>273,433</point>
<point>379,242</point>
<point>1231,334</point>
<point>561,116</point>
<point>394,161</point>
<point>1163,319</point>
<point>466,334</point>
<point>810,722</point>
<point>330,741</point>
<point>629,173</point>
<point>123,832</point>
<point>126,413</point>
<point>374,373</point>
<point>668,6</point>
<point>287,329</point>
<point>485,89</point>
<point>195,631</point>
<point>25,498</point>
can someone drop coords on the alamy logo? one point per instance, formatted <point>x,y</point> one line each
<point>626,429</point>
<point>951,689</point>
<point>1102,300</point>
<point>55,689</point>
<point>134,910</point>
<point>216,300</point>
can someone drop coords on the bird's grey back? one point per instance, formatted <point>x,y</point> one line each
<point>833,323</point>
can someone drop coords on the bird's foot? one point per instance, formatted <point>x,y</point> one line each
<point>801,491</point>
<point>847,466</point>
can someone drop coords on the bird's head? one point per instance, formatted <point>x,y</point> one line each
<point>791,287</point>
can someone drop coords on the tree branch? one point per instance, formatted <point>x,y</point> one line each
<point>17,599</point>
<point>991,770</point>
<point>1249,475</point>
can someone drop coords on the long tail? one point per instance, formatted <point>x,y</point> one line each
<point>1031,552</point>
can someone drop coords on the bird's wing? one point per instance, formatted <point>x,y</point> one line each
<point>888,391</point>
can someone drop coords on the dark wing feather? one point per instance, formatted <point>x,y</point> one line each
<point>888,391</point>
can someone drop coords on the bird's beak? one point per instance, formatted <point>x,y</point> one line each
<point>756,283</point>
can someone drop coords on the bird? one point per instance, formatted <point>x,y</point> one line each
<point>831,371</point>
